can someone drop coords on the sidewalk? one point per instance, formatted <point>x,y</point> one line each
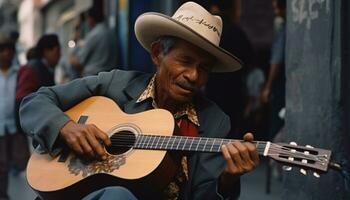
<point>254,185</point>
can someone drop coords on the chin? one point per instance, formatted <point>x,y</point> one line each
<point>184,98</point>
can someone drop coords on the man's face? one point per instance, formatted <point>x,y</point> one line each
<point>181,72</point>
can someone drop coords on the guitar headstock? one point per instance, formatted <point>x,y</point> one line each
<point>305,157</point>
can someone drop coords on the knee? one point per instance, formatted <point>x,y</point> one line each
<point>113,192</point>
<point>116,190</point>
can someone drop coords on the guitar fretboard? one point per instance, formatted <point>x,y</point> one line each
<point>177,143</point>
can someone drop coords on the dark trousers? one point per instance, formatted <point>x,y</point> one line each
<point>14,152</point>
<point>111,193</point>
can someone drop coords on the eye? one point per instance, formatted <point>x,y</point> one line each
<point>184,61</point>
<point>205,67</point>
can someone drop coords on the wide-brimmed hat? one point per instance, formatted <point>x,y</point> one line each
<point>192,23</point>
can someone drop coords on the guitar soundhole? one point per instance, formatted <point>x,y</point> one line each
<point>122,142</point>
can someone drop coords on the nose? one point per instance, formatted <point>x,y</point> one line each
<point>192,74</point>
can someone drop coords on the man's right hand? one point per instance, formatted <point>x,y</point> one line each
<point>85,139</point>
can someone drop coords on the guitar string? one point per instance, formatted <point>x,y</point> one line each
<point>260,150</point>
<point>285,150</point>
<point>151,138</point>
<point>172,139</point>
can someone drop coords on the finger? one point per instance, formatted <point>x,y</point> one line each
<point>236,157</point>
<point>102,136</point>
<point>253,153</point>
<point>86,147</point>
<point>242,150</point>
<point>96,146</point>
<point>230,164</point>
<point>249,137</point>
<point>247,164</point>
<point>75,146</point>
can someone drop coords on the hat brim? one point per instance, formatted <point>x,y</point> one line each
<point>150,26</point>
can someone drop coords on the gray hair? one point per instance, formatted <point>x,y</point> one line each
<point>167,43</point>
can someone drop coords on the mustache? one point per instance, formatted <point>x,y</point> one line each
<point>187,85</point>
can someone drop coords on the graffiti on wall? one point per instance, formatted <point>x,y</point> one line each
<point>306,11</point>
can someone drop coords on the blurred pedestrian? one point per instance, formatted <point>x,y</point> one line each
<point>235,41</point>
<point>98,51</point>
<point>254,111</point>
<point>14,151</point>
<point>273,92</point>
<point>39,71</point>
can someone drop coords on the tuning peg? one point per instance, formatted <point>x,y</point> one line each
<point>293,143</point>
<point>286,168</point>
<point>309,146</point>
<point>303,171</point>
<point>317,175</point>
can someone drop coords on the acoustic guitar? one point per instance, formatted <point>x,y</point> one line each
<point>138,157</point>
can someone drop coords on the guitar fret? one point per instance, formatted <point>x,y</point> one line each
<point>148,142</point>
<point>219,147</point>
<point>157,143</point>
<point>183,146</point>
<point>172,146</point>
<point>198,143</point>
<point>212,145</point>
<point>166,146</point>
<point>151,142</point>
<point>161,145</point>
<point>154,143</point>
<point>178,143</point>
<point>205,145</point>
<point>141,141</point>
<point>192,139</point>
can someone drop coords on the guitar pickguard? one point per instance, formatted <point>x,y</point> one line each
<point>77,165</point>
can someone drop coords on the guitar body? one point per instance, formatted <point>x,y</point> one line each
<point>68,176</point>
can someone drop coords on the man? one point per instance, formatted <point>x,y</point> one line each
<point>39,71</point>
<point>183,67</point>
<point>274,89</point>
<point>14,151</point>
<point>98,52</point>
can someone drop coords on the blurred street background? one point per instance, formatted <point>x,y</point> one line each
<point>295,84</point>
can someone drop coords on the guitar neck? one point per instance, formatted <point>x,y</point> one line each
<point>183,143</point>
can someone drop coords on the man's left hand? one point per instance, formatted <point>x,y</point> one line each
<point>241,157</point>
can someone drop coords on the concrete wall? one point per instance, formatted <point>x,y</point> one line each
<point>315,93</point>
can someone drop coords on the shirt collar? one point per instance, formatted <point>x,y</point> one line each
<point>188,110</point>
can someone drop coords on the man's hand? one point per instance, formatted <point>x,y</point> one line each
<point>85,139</point>
<point>240,158</point>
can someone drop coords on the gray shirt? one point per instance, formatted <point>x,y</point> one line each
<point>7,101</point>
<point>99,52</point>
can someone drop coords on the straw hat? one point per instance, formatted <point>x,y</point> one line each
<point>192,23</point>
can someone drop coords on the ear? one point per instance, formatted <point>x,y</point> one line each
<point>156,53</point>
